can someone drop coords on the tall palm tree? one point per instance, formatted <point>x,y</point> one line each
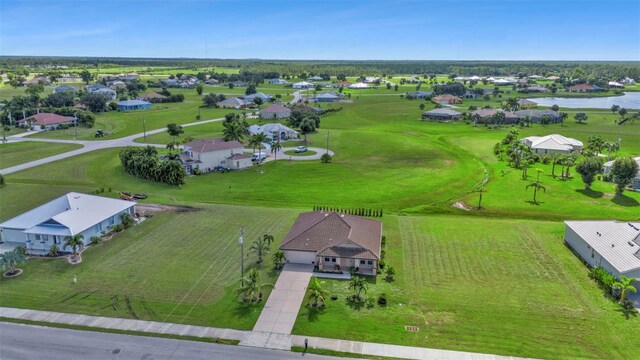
<point>563,116</point>
<point>278,258</point>
<point>480,190</point>
<point>74,242</point>
<point>536,185</point>
<point>569,162</point>
<point>233,130</point>
<point>554,160</point>
<point>256,141</point>
<point>625,285</point>
<point>260,247</point>
<point>267,238</point>
<point>275,148</point>
<point>316,290</point>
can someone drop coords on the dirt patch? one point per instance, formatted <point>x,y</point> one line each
<point>143,208</point>
<point>461,205</point>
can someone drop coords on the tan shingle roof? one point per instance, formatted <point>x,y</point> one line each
<point>333,233</point>
<point>207,145</point>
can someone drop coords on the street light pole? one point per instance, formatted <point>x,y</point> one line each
<point>241,241</point>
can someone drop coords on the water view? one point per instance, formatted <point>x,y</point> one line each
<point>630,100</point>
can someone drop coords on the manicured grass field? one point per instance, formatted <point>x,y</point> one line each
<point>17,153</point>
<point>174,267</point>
<point>481,285</point>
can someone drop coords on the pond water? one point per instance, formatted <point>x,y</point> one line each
<point>630,100</point>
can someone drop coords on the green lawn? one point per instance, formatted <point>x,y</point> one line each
<point>174,267</point>
<point>21,152</point>
<point>482,285</point>
<point>294,153</point>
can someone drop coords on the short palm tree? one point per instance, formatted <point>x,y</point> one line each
<point>316,290</point>
<point>359,285</point>
<point>251,288</point>
<point>10,260</point>
<point>480,190</point>
<point>536,185</point>
<point>278,258</point>
<point>267,238</point>
<point>274,150</point>
<point>260,248</point>
<point>625,285</point>
<point>75,242</point>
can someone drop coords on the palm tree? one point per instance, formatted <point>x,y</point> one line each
<point>554,160</point>
<point>562,117</point>
<point>74,242</point>
<point>625,285</point>
<point>256,141</point>
<point>10,259</point>
<point>251,288</point>
<point>278,258</point>
<point>480,190</point>
<point>612,147</point>
<point>359,285</point>
<point>536,185</point>
<point>175,131</point>
<point>569,162</point>
<point>233,130</point>
<point>317,293</point>
<point>524,164</point>
<point>275,148</point>
<point>260,248</point>
<point>267,238</point>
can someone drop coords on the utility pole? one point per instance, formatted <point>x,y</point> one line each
<point>327,142</point>
<point>241,241</point>
<point>144,129</point>
<point>75,126</point>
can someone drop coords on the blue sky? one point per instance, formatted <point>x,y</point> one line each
<point>411,30</point>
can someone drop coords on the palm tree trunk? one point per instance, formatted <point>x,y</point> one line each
<point>535,191</point>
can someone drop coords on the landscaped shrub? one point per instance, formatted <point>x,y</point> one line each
<point>117,228</point>
<point>325,158</point>
<point>371,302</point>
<point>53,250</point>
<point>382,299</point>
<point>334,297</point>
<point>1,180</point>
<point>145,164</point>
<point>604,279</point>
<point>127,220</point>
<point>95,240</point>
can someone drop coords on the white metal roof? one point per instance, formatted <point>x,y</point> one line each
<point>74,211</point>
<point>616,241</point>
<point>552,142</point>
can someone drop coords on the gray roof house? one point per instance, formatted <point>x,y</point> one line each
<point>69,215</point>
<point>275,112</point>
<point>611,245</point>
<point>235,103</point>
<point>274,131</point>
<point>277,81</point>
<point>102,90</point>
<point>334,242</point>
<point>418,94</point>
<point>329,97</point>
<point>249,98</point>
<point>64,88</point>
<point>536,115</point>
<point>442,114</point>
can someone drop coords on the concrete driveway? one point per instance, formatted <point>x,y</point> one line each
<point>280,311</point>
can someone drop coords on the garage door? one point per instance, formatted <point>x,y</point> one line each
<point>300,257</point>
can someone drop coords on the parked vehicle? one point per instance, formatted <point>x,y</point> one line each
<point>124,195</point>
<point>100,133</point>
<point>301,149</point>
<point>140,196</point>
<point>259,156</point>
<point>220,168</point>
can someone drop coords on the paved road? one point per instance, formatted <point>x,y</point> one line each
<point>19,341</point>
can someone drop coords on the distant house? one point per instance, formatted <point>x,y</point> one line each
<point>334,242</point>
<point>635,182</point>
<point>208,154</point>
<point>504,82</point>
<point>233,103</point>
<point>584,88</point>
<point>37,80</point>
<point>130,105</point>
<point>274,131</point>
<point>524,103</point>
<point>442,114</point>
<point>303,85</point>
<point>553,78</point>
<point>358,86</point>
<point>239,83</point>
<point>103,90</point>
<point>152,96</point>
<point>64,88</point>
<point>370,80</point>
<point>275,112</point>
<point>628,81</point>
<point>249,98</point>
<point>418,94</point>
<point>341,83</point>
<point>329,97</point>
<point>47,121</point>
<point>615,84</point>
<point>552,144</point>
<point>316,78</point>
<point>536,89</point>
<point>487,116</point>
<point>446,99</point>
<point>212,81</point>
<point>535,116</point>
<point>69,215</point>
<point>118,84</point>
<point>611,245</point>
<point>276,81</point>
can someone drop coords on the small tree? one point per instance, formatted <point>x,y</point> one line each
<point>623,170</point>
<point>278,258</point>
<point>260,248</point>
<point>316,290</point>
<point>275,148</point>
<point>390,273</point>
<point>580,117</point>
<point>75,242</point>
<point>536,185</point>
<point>54,250</point>
<point>359,285</point>
<point>10,260</point>
<point>625,285</point>
<point>199,89</point>
<point>325,158</point>
<point>588,169</point>
<point>251,290</point>
<point>480,190</point>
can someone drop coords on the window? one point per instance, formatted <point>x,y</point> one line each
<point>333,259</point>
<point>56,239</point>
<point>45,238</point>
<point>99,226</point>
<point>327,259</point>
<point>593,255</point>
<point>112,220</point>
<point>362,262</point>
<point>370,262</point>
<point>37,237</point>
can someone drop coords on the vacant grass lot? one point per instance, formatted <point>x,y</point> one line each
<point>174,267</point>
<point>17,153</point>
<point>482,285</point>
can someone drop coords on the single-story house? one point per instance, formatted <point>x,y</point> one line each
<point>207,154</point>
<point>418,94</point>
<point>102,90</point>
<point>358,86</point>
<point>472,95</point>
<point>635,182</point>
<point>37,80</point>
<point>341,83</point>
<point>524,103</point>
<point>118,84</point>
<point>239,83</point>
<point>553,78</point>
<point>152,96</point>
<point>486,115</point>
<point>584,88</point>
<point>275,112</point>
<point>69,215</point>
<point>334,242</point>
<point>504,82</point>
<point>316,78</point>
<point>276,81</point>
<point>446,99</point>
<point>303,85</point>
<point>329,97</point>
<point>615,84</point>
<point>609,244</point>
<point>536,115</point>
<point>536,89</point>
<point>249,98</point>
<point>628,81</point>
<point>274,131</point>
<point>64,88</point>
<point>553,143</point>
<point>442,114</point>
<point>212,81</point>
<point>48,121</point>
<point>129,105</point>
<point>234,103</point>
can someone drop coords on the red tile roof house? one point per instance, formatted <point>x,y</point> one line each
<point>584,88</point>
<point>447,99</point>
<point>46,121</point>
<point>207,154</point>
<point>334,241</point>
